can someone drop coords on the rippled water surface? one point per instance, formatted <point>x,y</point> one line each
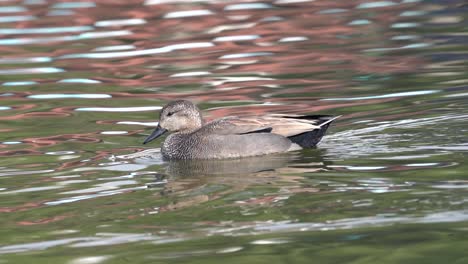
<point>81,82</point>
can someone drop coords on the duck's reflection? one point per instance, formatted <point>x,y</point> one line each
<point>290,162</point>
<point>192,182</point>
<point>232,167</point>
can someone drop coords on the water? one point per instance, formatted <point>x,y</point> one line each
<point>81,83</point>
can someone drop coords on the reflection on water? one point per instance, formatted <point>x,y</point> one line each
<point>228,167</point>
<point>82,82</point>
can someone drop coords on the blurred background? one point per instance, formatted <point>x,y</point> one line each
<point>81,83</point>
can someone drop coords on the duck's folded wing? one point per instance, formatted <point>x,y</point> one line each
<point>234,125</point>
<point>291,125</point>
<point>277,124</point>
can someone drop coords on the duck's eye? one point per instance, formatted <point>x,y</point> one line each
<point>170,113</point>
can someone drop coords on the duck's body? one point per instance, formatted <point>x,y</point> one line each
<point>198,145</point>
<point>234,137</point>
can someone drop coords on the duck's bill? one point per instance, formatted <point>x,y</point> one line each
<point>156,133</point>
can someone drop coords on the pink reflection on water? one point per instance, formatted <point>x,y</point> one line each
<point>322,32</point>
<point>294,53</point>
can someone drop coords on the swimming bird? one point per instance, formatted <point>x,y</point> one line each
<point>234,136</point>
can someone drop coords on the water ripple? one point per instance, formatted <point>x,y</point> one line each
<point>378,220</point>
<point>63,96</point>
<point>279,2</point>
<point>333,11</point>
<point>151,124</point>
<point>42,245</point>
<point>38,70</point>
<point>12,9</point>
<point>103,192</point>
<point>190,74</point>
<point>79,80</point>
<point>9,19</point>
<point>294,39</point>
<point>19,83</point>
<point>90,260</point>
<point>247,6</point>
<point>114,48</point>
<point>25,60</point>
<point>164,49</point>
<point>44,30</point>
<point>412,13</point>
<point>189,13</point>
<point>41,40</point>
<point>359,22</point>
<point>376,4</point>
<point>406,25</point>
<point>61,12</point>
<point>120,22</point>
<point>402,94</point>
<point>32,189</point>
<point>245,55</point>
<point>11,142</point>
<point>236,38</point>
<point>119,109</point>
<point>67,5</point>
<point>219,29</point>
<point>15,172</point>
<point>357,142</point>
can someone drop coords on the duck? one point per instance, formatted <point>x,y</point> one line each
<point>233,136</point>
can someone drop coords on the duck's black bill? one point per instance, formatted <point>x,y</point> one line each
<point>156,133</point>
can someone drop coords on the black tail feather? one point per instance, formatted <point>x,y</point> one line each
<point>312,138</point>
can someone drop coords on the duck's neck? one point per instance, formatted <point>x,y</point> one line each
<point>193,126</point>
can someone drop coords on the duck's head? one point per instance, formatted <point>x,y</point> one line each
<point>178,116</point>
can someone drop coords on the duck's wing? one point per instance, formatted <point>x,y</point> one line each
<point>289,125</point>
<point>234,125</point>
<point>285,125</point>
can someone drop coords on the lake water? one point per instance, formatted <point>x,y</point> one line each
<point>81,83</point>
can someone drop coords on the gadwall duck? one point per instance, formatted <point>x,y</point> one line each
<point>234,137</point>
